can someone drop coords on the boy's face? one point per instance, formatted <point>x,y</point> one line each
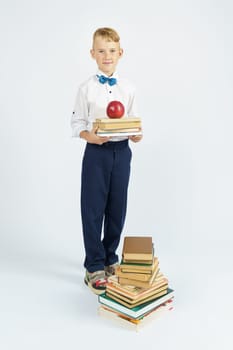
<point>106,53</point>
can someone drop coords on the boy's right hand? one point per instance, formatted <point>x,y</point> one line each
<point>91,137</point>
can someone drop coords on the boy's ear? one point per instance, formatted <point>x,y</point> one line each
<point>121,51</point>
<point>92,52</point>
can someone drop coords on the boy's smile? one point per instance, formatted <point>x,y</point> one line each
<point>106,54</point>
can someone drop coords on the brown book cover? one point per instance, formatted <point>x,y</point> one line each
<point>117,120</point>
<point>138,276</point>
<point>139,267</point>
<point>139,300</point>
<point>136,270</point>
<point>137,248</point>
<point>133,292</point>
<point>137,283</point>
<point>139,310</point>
<point>117,123</point>
<point>137,261</point>
<point>159,293</point>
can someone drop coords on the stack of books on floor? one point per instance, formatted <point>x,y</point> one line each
<point>139,291</point>
<point>125,126</point>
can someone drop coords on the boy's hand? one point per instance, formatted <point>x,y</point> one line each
<point>91,137</point>
<point>135,138</point>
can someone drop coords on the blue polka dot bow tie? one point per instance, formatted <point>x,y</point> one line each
<point>103,80</point>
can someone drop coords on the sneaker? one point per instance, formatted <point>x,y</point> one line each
<point>110,270</point>
<point>96,281</point>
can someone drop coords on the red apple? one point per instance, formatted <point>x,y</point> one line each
<point>115,109</point>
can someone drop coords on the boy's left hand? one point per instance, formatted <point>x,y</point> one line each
<point>135,138</point>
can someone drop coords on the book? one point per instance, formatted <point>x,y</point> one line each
<point>137,301</point>
<point>137,283</point>
<point>107,120</point>
<point>119,130</point>
<point>139,276</point>
<point>138,267</point>
<point>139,310</point>
<point>117,133</point>
<point>117,123</point>
<point>137,248</point>
<point>135,323</point>
<point>137,261</point>
<point>133,293</point>
<point>168,303</point>
<point>122,300</point>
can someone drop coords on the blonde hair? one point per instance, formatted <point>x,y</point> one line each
<point>106,33</point>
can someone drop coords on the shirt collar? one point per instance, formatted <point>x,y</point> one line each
<point>115,74</point>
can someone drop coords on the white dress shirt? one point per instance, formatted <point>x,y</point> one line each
<point>92,100</point>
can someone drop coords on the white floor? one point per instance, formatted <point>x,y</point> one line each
<point>181,186</point>
<point>44,303</point>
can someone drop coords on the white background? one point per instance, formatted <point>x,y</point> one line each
<point>179,54</point>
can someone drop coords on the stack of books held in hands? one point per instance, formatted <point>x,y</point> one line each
<point>139,291</point>
<point>125,126</point>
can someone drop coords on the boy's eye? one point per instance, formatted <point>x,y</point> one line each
<point>111,51</point>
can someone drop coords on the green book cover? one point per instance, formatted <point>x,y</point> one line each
<point>139,310</point>
<point>135,264</point>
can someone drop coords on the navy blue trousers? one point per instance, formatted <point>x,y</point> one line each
<point>104,187</point>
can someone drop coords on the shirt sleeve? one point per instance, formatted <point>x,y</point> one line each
<point>79,119</point>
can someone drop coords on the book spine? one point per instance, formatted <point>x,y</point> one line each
<point>131,282</point>
<point>119,130</point>
<point>117,126</point>
<point>111,134</point>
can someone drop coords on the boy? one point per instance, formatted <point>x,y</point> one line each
<point>106,161</point>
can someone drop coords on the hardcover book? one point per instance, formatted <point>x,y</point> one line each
<point>139,310</point>
<point>118,133</point>
<point>136,279</point>
<point>138,267</point>
<point>119,130</point>
<point>139,276</point>
<point>117,123</point>
<point>135,323</point>
<point>139,248</point>
<point>133,293</point>
<point>124,301</point>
